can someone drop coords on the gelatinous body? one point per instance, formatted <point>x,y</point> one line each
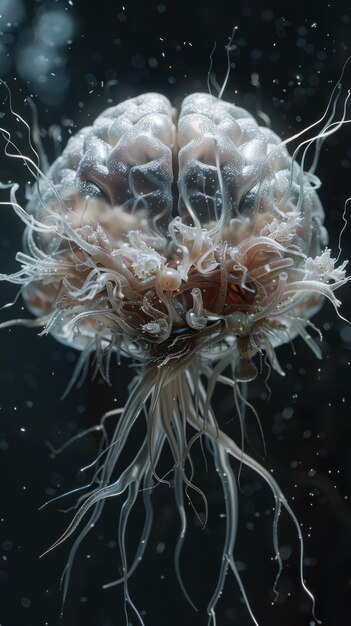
<point>214,202</point>
<point>189,242</point>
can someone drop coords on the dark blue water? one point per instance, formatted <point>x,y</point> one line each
<point>75,59</point>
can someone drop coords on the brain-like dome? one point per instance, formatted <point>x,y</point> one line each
<point>153,227</point>
<point>214,158</point>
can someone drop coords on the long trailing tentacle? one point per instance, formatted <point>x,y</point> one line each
<point>147,488</point>
<point>134,472</point>
<point>229,487</point>
<point>232,449</point>
<point>179,492</point>
<point>279,497</point>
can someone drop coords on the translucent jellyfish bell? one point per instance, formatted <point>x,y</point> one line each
<point>248,217</point>
<point>190,245</point>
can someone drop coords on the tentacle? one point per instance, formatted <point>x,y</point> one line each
<point>230,446</point>
<point>179,497</point>
<point>148,486</point>
<point>229,487</point>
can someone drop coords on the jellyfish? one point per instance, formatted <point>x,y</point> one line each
<point>192,243</point>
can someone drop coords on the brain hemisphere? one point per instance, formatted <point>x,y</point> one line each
<point>173,222</point>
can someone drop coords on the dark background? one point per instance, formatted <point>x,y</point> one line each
<point>119,50</point>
